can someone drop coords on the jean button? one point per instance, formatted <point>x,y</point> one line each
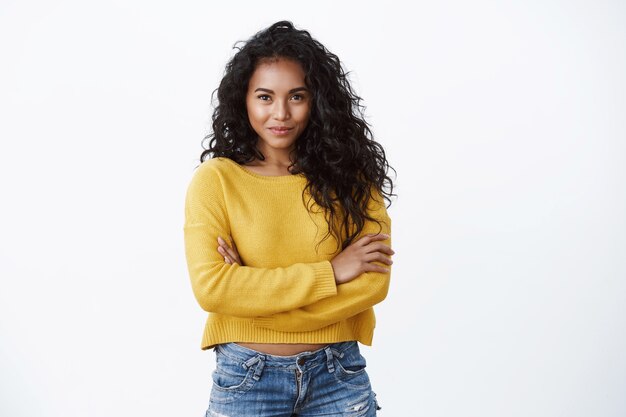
<point>301,361</point>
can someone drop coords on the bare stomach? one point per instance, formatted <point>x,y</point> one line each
<point>281,349</point>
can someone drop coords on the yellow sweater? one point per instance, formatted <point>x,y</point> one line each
<point>284,292</point>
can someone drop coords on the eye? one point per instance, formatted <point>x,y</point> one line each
<point>263,97</point>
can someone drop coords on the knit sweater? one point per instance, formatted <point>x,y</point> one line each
<point>285,291</point>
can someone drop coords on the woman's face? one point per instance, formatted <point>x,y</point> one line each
<point>277,97</point>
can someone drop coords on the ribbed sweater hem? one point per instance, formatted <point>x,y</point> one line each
<point>237,331</point>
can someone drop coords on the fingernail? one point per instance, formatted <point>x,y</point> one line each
<point>219,239</point>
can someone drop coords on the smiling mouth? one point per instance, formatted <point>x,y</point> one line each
<point>280,131</point>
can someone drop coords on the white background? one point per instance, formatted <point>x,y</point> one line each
<point>504,120</point>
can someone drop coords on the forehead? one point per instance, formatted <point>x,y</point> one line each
<point>274,75</point>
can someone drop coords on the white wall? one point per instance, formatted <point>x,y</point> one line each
<point>504,120</point>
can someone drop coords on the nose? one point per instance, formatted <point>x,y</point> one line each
<point>281,110</point>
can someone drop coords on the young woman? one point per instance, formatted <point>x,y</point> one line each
<point>287,235</point>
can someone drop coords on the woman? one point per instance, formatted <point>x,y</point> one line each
<point>290,159</point>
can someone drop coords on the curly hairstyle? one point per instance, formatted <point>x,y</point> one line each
<point>336,152</point>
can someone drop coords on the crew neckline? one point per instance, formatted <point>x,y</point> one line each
<point>274,178</point>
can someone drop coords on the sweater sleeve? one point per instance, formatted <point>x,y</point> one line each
<point>233,289</point>
<point>352,298</point>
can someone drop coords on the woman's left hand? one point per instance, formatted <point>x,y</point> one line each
<point>231,256</point>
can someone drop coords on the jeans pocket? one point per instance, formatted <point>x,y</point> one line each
<point>230,379</point>
<point>350,370</point>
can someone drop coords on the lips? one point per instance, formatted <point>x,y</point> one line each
<point>280,130</point>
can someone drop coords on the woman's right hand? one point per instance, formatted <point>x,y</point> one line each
<point>358,257</point>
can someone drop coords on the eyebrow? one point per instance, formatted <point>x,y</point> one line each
<point>293,90</point>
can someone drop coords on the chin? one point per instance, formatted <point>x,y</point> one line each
<point>280,144</point>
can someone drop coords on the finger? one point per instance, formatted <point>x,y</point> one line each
<point>225,253</point>
<point>376,268</point>
<point>236,252</point>
<point>229,260</point>
<point>233,254</point>
<point>230,252</point>
<point>377,247</point>
<point>380,247</point>
<point>223,242</point>
<point>377,256</point>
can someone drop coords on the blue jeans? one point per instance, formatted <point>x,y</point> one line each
<point>331,381</point>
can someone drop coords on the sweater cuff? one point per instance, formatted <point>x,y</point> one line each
<point>324,285</point>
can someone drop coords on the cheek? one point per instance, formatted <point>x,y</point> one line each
<point>255,114</point>
<point>303,114</point>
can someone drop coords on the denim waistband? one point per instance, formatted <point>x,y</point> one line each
<point>306,359</point>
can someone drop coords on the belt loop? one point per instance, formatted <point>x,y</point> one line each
<point>258,369</point>
<point>337,353</point>
<point>330,360</point>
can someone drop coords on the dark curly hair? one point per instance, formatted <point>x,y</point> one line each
<point>336,151</point>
